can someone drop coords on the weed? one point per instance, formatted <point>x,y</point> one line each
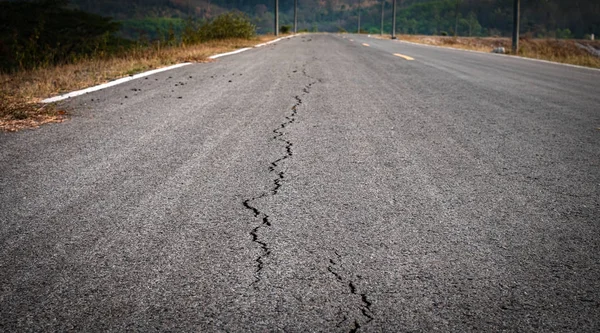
<point>285,29</point>
<point>135,70</point>
<point>225,26</point>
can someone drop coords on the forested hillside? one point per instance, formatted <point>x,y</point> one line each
<point>540,18</point>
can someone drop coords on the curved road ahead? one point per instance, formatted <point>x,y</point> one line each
<point>324,183</point>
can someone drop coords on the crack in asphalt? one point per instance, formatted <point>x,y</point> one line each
<point>342,321</point>
<point>355,328</point>
<point>279,134</point>
<point>365,307</point>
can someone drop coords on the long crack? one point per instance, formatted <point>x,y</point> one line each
<point>365,307</point>
<point>279,134</point>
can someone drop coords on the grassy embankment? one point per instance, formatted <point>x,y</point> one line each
<point>21,92</point>
<point>563,51</point>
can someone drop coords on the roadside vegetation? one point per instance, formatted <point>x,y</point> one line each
<point>540,19</point>
<point>47,49</point>
<point>574,52</point>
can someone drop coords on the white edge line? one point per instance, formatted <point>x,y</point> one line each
<point>144,74</point>
<point>275,40</point>
<point>111,83</point>
<point>495,54</point>
<point>229,53</point>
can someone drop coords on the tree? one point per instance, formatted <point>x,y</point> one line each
<point>47,32</point>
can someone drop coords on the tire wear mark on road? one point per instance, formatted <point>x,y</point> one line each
<point>279,134</point>
<point>334,268</point>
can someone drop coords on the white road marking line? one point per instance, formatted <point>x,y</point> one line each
<point>229,53</point>
<point>403,56</point>
<point>112,83</point>
<point>495,54</point>
<point>148,73</point>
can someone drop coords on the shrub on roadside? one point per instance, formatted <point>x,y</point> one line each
<point>48,32</point>
<point>285,29</point>
<point>563,34</point>
<point>190,35</point>
<point>229,25</point>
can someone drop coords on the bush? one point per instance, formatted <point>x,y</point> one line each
<point>564,34</point>
<point>229,25</point>
<point>157,28</point>
<point>285,29</point>
<point>443,33</point>
<point>190,35</point>
<point>47,32</point>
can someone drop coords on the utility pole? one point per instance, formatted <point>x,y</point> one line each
<point>276,18</point>
<point>516,17</point>
<point>382,5</point>
<point>358,17</point>
<point>295,16</point>
<point>394,19</point>
<point>456,19</point>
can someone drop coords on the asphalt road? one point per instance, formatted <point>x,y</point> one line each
<point>315,185</point>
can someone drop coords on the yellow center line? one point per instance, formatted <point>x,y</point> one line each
<point>403,56</point>
<point>365,44</point>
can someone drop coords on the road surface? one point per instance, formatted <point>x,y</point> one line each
<point>324,183</point>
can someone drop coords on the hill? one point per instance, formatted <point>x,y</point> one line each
<point>550,18</point>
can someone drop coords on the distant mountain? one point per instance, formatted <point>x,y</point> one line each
<point>540,18</point>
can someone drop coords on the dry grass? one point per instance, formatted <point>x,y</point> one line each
<point>563,51</point>
<point>21,93</point>
<point>16,113</point>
